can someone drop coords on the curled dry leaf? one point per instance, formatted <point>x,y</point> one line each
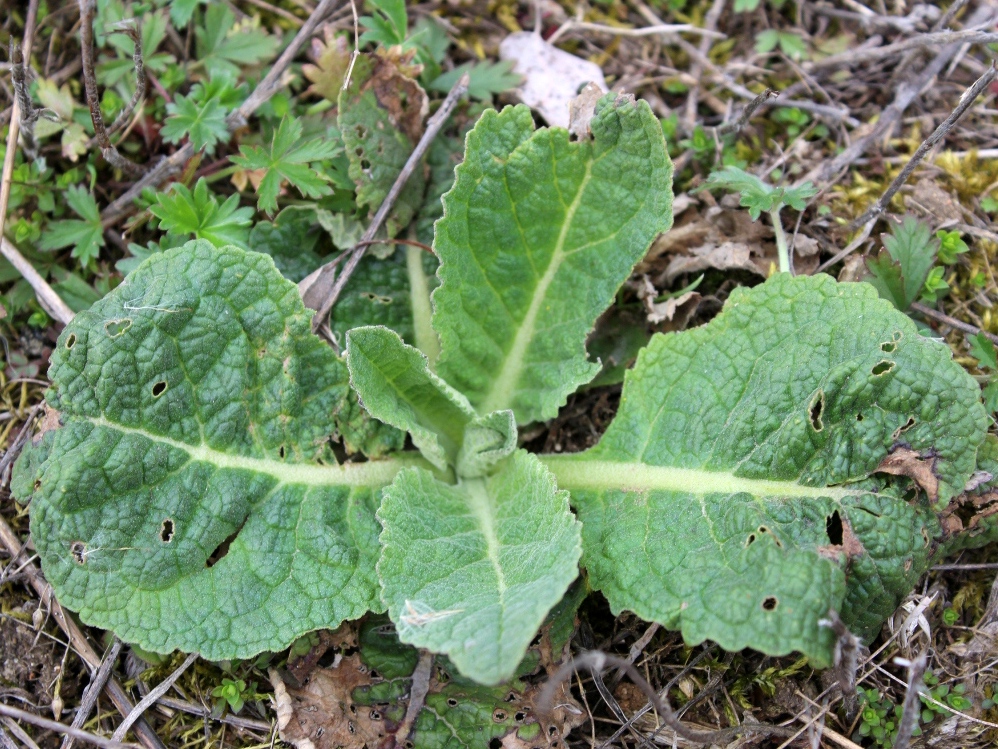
<point>723,239</point>
<point>551,77</point>
<point>904,461</point>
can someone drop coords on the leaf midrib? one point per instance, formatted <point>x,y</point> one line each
<point>503,390</point>
<point>575,474</point>
<point>370,474</point>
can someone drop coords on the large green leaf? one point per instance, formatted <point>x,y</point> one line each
<point>539,232</point>
<point>734,495</point>
<point>471,569</point>
<point>190,499</point>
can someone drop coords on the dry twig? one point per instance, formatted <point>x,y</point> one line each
<point>134,32</point>
<point>966,102</point>
<point>909,715</point>
<point>314,288</point>
<point>47,297</point>
<point>51,725</point>
<point>594,661</point>
<point>114,158</point>
<point>94,688</point>
<point>150,699</point>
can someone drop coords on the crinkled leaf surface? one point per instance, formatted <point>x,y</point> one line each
<point>397,387</point>
<point>719,501</point>
<point>539,232</point>
<point>471,569</point>
<point>183,504</point>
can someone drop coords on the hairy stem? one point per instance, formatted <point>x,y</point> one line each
<point>781,241</point>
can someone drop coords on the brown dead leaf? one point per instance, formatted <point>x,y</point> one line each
<point>903,461</point>
<point>723,239</point>
<point>394,84</point>
<point>323,715</point>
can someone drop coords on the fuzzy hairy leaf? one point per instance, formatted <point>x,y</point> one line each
<point>472,569</point>
<point>732,495</point>
<point>539,232</point>
<point>397,387</point>
<point>183,504</point>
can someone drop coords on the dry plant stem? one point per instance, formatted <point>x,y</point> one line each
<point>909,716</point>
<point>418,690</point>
<point>166,168</point>
<point>134,32</point>
<point>573,24</point>
<point>746,115</point>
<point>966,102</point>
<point>906,94</point>
<point>51,725</point>
<point>692,99</point>
<point>6,742</point>
<point>94,688</point>
<point>951,321</point>
<point>433,126</point>
<point>594,661</point>
<point>663,692</point>
<point>980,566</point>
<point>204,712</point>
<point>16,729</point>
<point>846,662</point>
<point>115,159</point>
<point>921,41</point>
<point>29,115</point>
<point>150,699</point>
<point>147,737</point>
<point>47,297</point>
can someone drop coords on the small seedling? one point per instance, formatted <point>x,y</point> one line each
<point>905,264</point>
<point>953,696</point>
<point>760,197</point>
<point>231,692</point>
<point>879,719</point>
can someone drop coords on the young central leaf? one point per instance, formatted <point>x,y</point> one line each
<point>184,503</point>
<point>471,570</point>
<point>538,234</point>
<point>723,500</point>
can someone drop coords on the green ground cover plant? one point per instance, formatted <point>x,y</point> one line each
<point>791,457</point>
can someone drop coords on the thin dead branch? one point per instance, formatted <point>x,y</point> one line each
<point>51,725</point>
<point>594,661</point>
<point>28,112</point>
<point>79,642</point>
<point>134,32</point>
<point>314,287</point>
<point>166,168</point>
<point>911,710</point>
<point>94,688</point>
<point>418,689</point>
<point>907,92</point>
<point>47,297</point>
<point>966,102</point>
<point>921,41</point>
<point>845,662</point>
<point>110,152</point>
<point>150,699</point>
<point>945,319</point>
